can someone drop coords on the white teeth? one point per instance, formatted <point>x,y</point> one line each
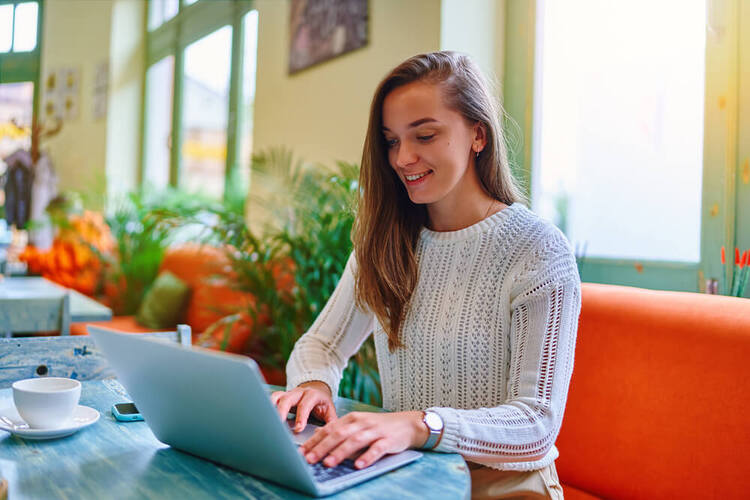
<point>415,177</point>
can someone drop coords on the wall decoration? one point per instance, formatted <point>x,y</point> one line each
<point>323,29</point>
<point>101,85</point>
<point>62,94</point>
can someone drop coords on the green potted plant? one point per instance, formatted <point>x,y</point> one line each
<point>293,267</point>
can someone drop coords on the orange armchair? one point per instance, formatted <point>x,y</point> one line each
<point>657,406</point>
<point>207,271</point>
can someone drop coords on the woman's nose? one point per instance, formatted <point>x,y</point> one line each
<point>405,156</point>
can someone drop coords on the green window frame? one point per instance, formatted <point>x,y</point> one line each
<point>192,22</point>
<point>16,67</point>
<point>725,211</point>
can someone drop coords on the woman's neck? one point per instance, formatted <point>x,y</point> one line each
<point>452,217</point>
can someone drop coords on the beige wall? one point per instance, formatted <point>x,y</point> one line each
<point>126,68</point>
<point>477,28</point>
<point>97,156</point>
<point>76,35</point>
<point>321,112</point>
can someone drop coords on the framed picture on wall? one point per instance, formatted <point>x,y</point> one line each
<point>323,29</point>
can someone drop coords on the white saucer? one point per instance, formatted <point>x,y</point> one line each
<point>11,421</point>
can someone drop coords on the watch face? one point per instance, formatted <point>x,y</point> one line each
<point>433,421</point>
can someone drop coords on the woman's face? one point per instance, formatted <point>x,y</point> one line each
<point>429,145</point>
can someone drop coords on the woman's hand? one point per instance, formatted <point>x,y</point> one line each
<point>311,397</point>
<point>380,433</point>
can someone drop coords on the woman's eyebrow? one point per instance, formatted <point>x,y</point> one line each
<point>416,123</point>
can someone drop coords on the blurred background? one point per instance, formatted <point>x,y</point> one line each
<point>628,121</point>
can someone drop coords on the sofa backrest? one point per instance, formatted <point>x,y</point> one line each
<point>207,271</point>
<point>658,405</point>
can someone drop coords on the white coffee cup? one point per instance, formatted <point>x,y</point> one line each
<point>48,402</point>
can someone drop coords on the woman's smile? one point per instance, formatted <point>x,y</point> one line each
<point>418,178</point>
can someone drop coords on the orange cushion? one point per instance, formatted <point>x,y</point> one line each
<point>205,269</point>
<point>121,323</point>
<point>193,263</point>
<point>212,301</point>
<point>656,406</point>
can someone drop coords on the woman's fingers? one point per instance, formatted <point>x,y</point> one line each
<point>379,433</point>
<point>349,447</point>
<point>332,435</point>
<point>286,402</point>
<point>328,412</point>
<point>309,401</point>
<point>275,396</point>
<point>317,436</point>
<point>306,400</point>
<point>373,453</point>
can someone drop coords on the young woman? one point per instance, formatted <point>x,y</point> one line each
<point>472,299</point>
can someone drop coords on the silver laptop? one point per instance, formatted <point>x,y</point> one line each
<point>216,406</point>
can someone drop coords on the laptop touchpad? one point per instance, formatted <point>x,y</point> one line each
<point>307,432</point>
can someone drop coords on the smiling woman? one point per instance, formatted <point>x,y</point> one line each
<point>472,298</point>
<point>435,157</point>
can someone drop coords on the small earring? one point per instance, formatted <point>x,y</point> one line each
<point>477,155</point>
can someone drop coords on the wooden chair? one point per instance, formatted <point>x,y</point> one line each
<point>74,357</point>
<point>31,315</point>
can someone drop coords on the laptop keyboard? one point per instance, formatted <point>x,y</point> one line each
<point>323,473</point>
<point>320,471</point>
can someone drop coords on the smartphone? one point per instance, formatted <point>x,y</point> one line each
<point>126,412</point>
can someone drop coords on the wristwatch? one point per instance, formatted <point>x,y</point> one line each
<point>435,425</point>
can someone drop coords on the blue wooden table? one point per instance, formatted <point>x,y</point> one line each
<point>124,460</point>
<point>82,308</point>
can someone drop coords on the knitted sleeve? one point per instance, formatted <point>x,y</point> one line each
<point>545,304</point>
<point>337,333</point>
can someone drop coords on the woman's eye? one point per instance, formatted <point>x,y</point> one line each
<point>390,142</point>
<point>425,138</point>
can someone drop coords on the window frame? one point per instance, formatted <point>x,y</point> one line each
<point>191,23</point>
<point>18,67</point>
<point>725,203</point>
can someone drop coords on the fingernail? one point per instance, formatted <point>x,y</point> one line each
<point>360,463</point>
<point>329,461</point>
<point>310,457</point>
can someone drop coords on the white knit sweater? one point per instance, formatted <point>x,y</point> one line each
<point>489,338</point>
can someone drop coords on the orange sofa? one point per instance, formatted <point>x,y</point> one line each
<point>207,271</point>
<point>658,406</point>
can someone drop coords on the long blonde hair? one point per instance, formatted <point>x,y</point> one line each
<point>388,223</point>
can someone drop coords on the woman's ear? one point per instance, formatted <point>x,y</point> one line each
<point>480,137</point>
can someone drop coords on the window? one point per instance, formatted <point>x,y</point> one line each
<point>158,137</point>
<point>632,137</point>
<point>199,89</point>
<point>24,26</point>
<point>161,11</point>
<point>16,108</point>
<point>241,181</point>
<point>205,112</point>
<point>6,28</point>
<point>20,25</point>
<point>608,137</point>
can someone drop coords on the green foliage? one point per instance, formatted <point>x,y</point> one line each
<point>309,216</point>
<point>140,243</point>
<point>144,224</point>
<point>291,269</point>
<point>361,380</point>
